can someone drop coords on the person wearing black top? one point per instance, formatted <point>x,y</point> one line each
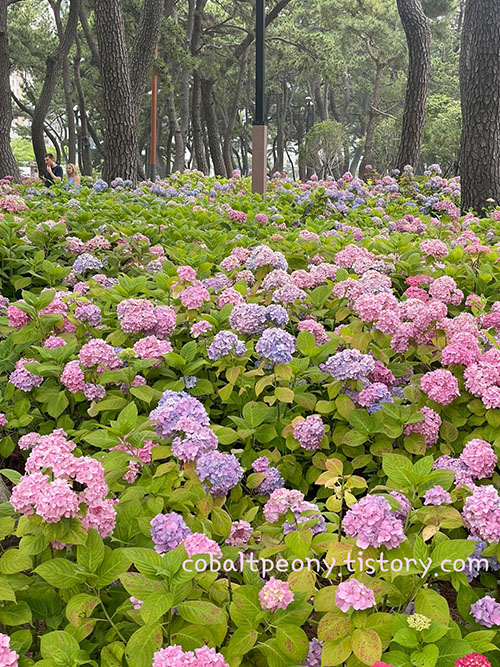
<point>53,171</point>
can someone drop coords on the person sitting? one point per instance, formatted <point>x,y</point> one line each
<point>53,171</point>
<point>73,175</point>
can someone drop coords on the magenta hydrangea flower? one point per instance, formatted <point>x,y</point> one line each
<point>198,543</point>
<point>151,347</point>
<point>73,377</point>
<point>309,432</point>
<point>353,593</point>
<point>136,315</point>
<point>185,272</point>
<point>316,329</point>
<point>275,594</point>
<point>486,611</point>
<point>437,496</point>
<point>441,386</point>
<point>53,342</point>
<point>370,520</point>
<point>479,457</point>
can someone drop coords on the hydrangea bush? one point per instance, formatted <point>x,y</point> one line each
<point>245,432</point>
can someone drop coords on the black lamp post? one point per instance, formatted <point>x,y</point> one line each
<point>259,130</point>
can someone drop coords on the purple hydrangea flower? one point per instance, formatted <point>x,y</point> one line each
<point>225,342</point>
<point>276,345</point>
<point>349,365</point>
<point>221,471</point>
<point>277,315</point>
<point>86,262</point>
<point>168,531</point>
<point>172,406</point>
<point>486,611</point>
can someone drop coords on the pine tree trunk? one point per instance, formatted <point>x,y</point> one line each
<point>84,141</point>
<point>53,66</point>
<point>212,127</point>
<point>8,164</point>
<point>198,141</point>
<point>119,105</point>
<point>480,93</point>
<point>418,36</point>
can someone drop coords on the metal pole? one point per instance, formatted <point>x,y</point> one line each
<point>259,130</point>
<point>154,116</point>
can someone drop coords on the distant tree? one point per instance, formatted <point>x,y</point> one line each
<point>480,93</point>
<point>323,148</point>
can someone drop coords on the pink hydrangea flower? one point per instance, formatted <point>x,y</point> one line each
<point>200,328</point>
<point>479,457</point>
<point>194,297</point>
<point>8,658</point>
<point>239,534</point>
<point>137,604</point>
<point>174,656</point>
<point>275,594</point>
<point>353,593</point>
<point>186,272</point>
<point>441,386</point>
<point>197,543</point>
<point>309,432</point>
<point>482,513</point>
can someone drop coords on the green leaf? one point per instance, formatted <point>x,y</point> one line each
<point>57,404</point>
<point>155,605</point>
<point>450,650</point>
<point>221,522</point>
<point>111,655</point>
<point>139,586</point>
<point>61,573</point>
<point>241,642</point>
<point>143,644</point>
<point>344,405</point>
<point>336,652</point>
<point>431,604</point>
<point>361,421</point>
<point>13,561</point>
<point>284,394</point>
<point>80,607</point>
<point>255,413</point>
<point>292,641</point>
<point>91,554</point>
<point>59,646</point>
<point>366,645</point>
<point>299,542</point>
<point>306,344</point>
<point>115,563</point>
<point>272,654</point>
<point>245,608</point>
<point>398,469</point>
<point>201,612</point>
<point>14,613</point>
<point>334,624</point>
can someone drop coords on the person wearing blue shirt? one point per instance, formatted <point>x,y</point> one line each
<point>53,171</point>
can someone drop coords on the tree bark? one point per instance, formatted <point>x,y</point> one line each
<point>480,93</point>
<point>232,115</point>
<point>177,133</point>
<point>198,140</point>
<point>53,66</point>
<point>418,37</point>
<point>8,164</point>
<point>212,127</point>
<point>83,139</point>
<point>119,106</point>
<point>67,86</point>
<point>145,41</point>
